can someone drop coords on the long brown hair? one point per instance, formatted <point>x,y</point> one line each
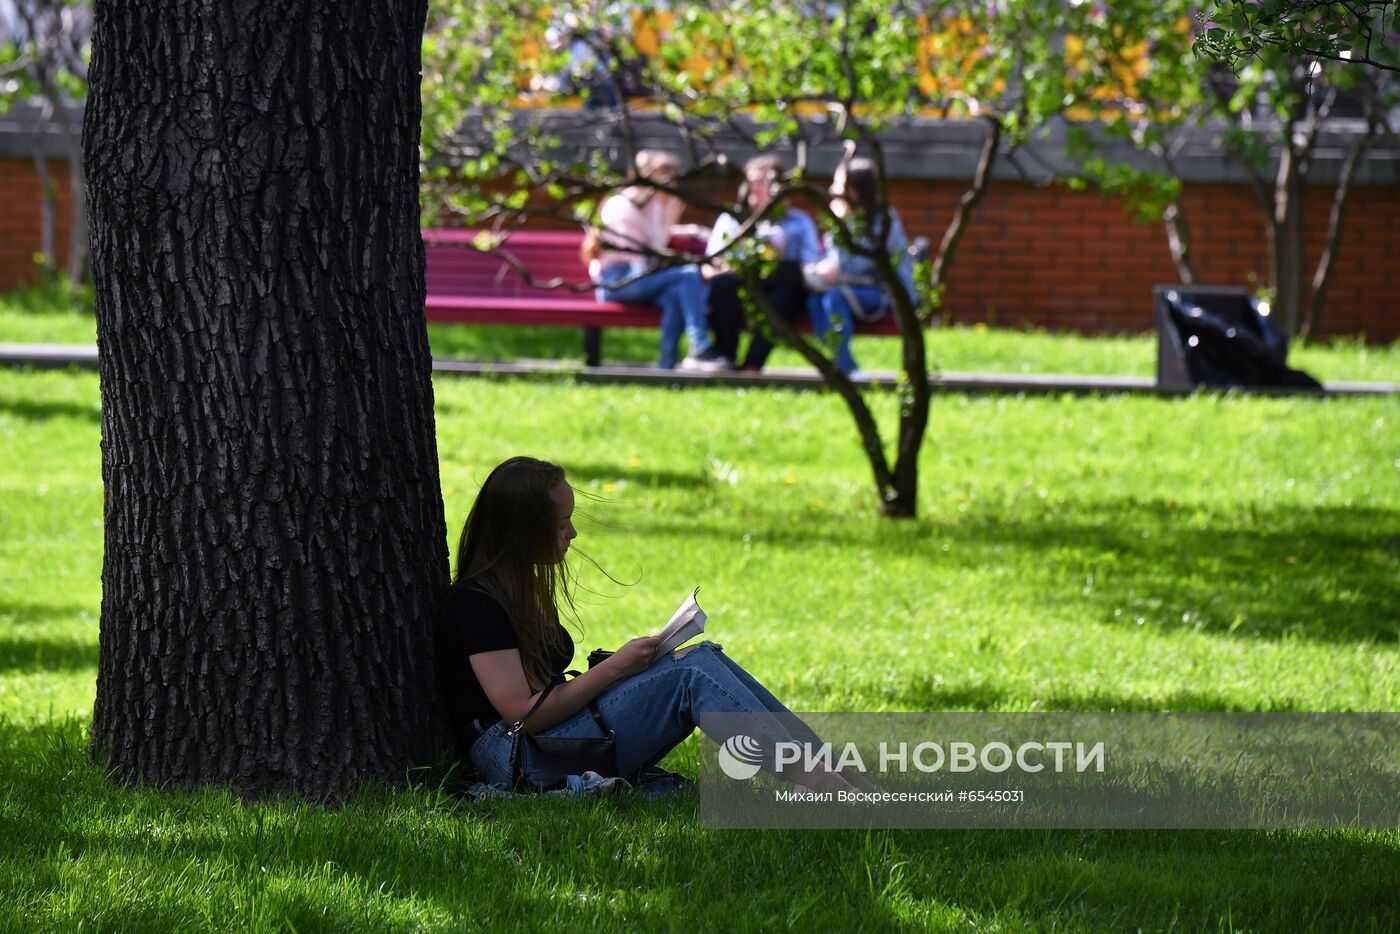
<point>509,549</point>
<point>863,193</point>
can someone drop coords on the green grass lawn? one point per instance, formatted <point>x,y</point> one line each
<point>40,317</point>
<point>1202,553</point>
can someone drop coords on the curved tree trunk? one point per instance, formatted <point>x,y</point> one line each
<point>274,538</point>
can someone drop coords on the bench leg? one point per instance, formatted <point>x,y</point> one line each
<point>593,346</point>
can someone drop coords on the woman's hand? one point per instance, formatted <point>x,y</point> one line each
<point>828,271</point>
<point>635,656</point>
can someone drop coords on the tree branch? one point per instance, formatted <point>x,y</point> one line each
<point>1322,274</point>
<point>952,236</point>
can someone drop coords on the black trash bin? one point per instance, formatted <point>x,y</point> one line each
<point>1220,337</point>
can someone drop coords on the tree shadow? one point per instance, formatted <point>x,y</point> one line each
<point>638,476</point>
<point>925,693</point>
<point>528,862</point>
<point>26,646</point>
<point>34,652</point>
<point>41,410</point>
<point>36,613</point>
<point>1322,573</point>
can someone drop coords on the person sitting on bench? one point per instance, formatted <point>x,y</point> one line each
<point>852,280</point>
<point>791,232</point>
<point>637,224</point>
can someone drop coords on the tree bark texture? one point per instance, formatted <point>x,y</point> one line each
<point>274,537</point>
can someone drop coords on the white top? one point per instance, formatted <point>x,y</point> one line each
<point>727,228</point>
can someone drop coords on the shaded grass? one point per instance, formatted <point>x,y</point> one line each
<point>86,853</point>
<point>1102,553</point>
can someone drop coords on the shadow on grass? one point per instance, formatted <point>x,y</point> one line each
<point>33,410</point>
<point>1325,573</point>
<point>33,652</point>
<point>638,476</point>
<point>26,646</point>
<point>151,860</point>
<point>917,693</point>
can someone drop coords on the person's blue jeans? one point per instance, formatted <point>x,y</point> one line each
<point>653,711</point>
<point>830,311</point>
<point>678,291</point>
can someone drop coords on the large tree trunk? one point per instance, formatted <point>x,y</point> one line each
<point>273,522</point>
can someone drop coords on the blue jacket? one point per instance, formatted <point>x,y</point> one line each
<point>863,267</point>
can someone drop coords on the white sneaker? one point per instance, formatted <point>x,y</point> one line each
<point>705,364</point>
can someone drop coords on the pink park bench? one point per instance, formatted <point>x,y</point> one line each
<point>465,285</point>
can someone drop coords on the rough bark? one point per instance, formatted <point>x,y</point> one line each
<point>274,538</point>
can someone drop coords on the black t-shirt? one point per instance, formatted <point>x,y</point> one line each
<point>471,621</point>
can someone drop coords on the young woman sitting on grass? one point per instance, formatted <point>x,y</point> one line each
<point>500,643</point>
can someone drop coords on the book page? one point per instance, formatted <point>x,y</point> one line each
<point>687,623</point>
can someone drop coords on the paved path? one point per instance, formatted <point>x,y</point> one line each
<point>67,355</point>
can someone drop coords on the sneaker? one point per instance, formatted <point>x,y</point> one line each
<point>707,361</point>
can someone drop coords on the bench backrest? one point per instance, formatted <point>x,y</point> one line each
<point>456,268</point>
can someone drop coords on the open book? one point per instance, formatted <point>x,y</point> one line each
<point>687,623</point>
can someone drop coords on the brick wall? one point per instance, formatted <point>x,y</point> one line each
<point>1032,256</point>
<point>1068,260</point>
<point>20,210</point>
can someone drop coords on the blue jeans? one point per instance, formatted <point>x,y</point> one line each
<point>830,310</point>
<point>653,711</point>
<point>678,291</point>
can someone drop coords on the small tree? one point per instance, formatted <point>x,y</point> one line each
<point>799,77</point>
<point>1137,72</point>
<point>43,59</point>
<point>1362,33</point>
